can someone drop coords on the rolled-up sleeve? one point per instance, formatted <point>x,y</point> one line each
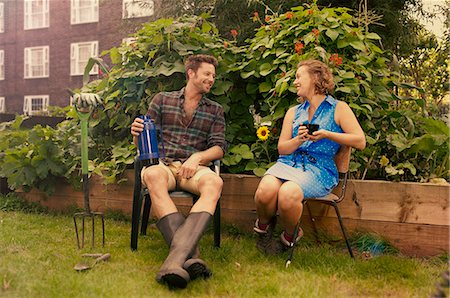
<point>217,131</point>
<point>154,109</point>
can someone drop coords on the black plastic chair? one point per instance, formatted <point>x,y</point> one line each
<point>342,160</point>
<point>141,195</point>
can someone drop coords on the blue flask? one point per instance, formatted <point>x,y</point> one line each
<point>148,143</point>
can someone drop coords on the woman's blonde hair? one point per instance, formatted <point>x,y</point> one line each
<point>324,83</point>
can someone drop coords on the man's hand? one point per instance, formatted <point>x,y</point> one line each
<point>189,167</point>
<point>137,127</point>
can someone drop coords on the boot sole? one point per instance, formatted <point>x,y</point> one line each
<point>174,281</point>
<point>197,270</point>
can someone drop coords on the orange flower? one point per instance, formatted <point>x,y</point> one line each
<point>234,33</point>
<point>336,59</point>
<point>289,15</point>
<point>267,18</point>
<point>299,47</point>
<point>311,11</point>
<point>255,16</point>
<point>225,44</point>
<point>316,32</point>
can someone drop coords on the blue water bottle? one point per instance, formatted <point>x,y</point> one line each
<point>148,143</point>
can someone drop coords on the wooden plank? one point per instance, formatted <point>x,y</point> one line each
<point>413,216</point>
<point>397,202</point>
<point>411,239</point>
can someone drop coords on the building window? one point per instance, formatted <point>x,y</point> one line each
<point>35,104</point>
<point>79,56</point>
<point>36,62</point>
<point>2,105</point>
<point>2,64</point>
<point>84,11</point>
<point>36,14</point>
<point>137,8</point>
<point>2,17</point>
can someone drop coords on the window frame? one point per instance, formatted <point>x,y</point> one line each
<point>2,104</point>
<point>2,65</point>
<point>28,104</point>
<point>75,14</point>
<point>27,65</point>
<point>126,15</point>
<point>2,17</point>
<point>28,13</point>
<point>74,58</point>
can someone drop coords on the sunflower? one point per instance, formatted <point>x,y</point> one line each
<point>263,133</point>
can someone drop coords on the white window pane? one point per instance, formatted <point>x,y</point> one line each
<point>36,62</point>
<point>2,64</point>
<point>84,11</point>
<point>2,17</point>
<point>137,8</point>
<point>2,105</point>
<point>36,14</point>
<point>35,104</point>
<point>80,55</point>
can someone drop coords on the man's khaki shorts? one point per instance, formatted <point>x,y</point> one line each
<point>172,169</point>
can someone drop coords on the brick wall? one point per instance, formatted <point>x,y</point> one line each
<point>109,32</point>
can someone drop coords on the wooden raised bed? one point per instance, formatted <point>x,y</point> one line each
<point>414,217</point>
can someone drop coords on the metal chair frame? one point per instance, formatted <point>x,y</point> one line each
<point>142,195</point>
<point>342,160</point>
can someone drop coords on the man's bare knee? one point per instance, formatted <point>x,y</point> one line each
<point>210,182</point>
<point>155,177</point>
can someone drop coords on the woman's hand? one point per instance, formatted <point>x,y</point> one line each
<point>137,127</point>
<point>302,133</point>
<point>318,135</point>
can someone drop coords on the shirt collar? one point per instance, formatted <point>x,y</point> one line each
<point>203,100</point>
<point>327,99</point>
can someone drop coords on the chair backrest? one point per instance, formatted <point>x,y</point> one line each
<point>342,160</point>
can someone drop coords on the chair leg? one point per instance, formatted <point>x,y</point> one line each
<point>343,230</point>
<point>313,221</point>
<point>136,214</point>
<point>145,214</point>
<point>216,223</point>
<point>292,244</point>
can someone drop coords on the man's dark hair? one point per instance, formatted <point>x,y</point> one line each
<point>193,62</point>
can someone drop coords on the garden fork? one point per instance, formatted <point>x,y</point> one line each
<point>84,113</point>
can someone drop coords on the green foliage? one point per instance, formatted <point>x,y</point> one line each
<point>363,79</point>
<point>254,84</point>
<point>34,158</point>
<point>11,202</point>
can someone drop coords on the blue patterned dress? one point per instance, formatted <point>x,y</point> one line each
<point>312,165</point>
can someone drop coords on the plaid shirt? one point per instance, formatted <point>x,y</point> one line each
<point>182,138</point>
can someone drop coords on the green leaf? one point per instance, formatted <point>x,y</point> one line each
<point>333,34</point>
<point>265,87</point>
<point>372,35</point>
<point>359,45</point>
<point>259,172</point>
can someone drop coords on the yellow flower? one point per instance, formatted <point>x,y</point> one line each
<point>384,161</point>
<point>263,133</point>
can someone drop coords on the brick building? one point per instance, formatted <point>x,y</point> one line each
<point>45,44</point>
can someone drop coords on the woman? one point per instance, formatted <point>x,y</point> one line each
<point>306,166</point>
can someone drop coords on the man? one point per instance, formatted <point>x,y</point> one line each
<point>193,131</point>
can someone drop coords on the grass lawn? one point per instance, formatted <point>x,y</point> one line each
<point>38,252</point>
